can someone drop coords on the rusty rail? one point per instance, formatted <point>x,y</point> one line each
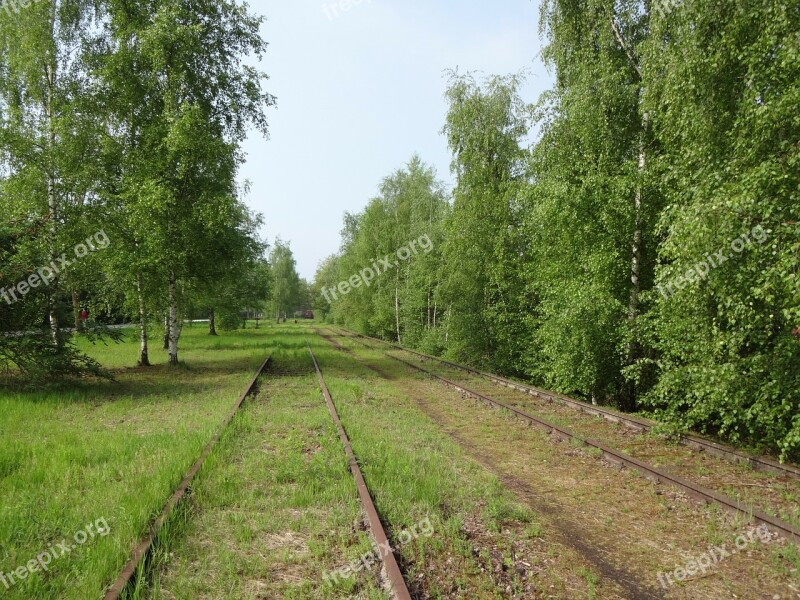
<point>761,463</point>
<point>393,572</point>
<point>655,474</point>
<point>144,546</point>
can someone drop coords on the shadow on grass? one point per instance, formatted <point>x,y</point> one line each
<point>142,382</point>
<point>207,360</point>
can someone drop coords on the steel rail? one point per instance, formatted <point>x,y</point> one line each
<point>655,474</point>
<point>143,548</point>
<point>393,573</point>
<point>761,463</point>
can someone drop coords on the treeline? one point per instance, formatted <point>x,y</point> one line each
<point>644,252</point>
<point>122,123</point>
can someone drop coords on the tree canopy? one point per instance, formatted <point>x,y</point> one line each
<point>644,251</point>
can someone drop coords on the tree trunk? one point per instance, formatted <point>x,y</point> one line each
<point>397,311</point>
<point>629,402</point>
<point>76,312</point>
<point>636,260</point>
<point>52,206</point>
<point>166,331</point>
<point>144,359</point>
<point>428,315</point>
<point>55,328</point>
<point>636,246</point>
<point>212,322</point>
<point>174,331</point>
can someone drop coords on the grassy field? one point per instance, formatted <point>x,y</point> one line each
<point>85,467</point>
<point>633,529</point>
<point>100,452</point>
<point>276,503</point>
<point>278,510</point>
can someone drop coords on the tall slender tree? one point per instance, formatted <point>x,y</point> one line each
<point>46,133</point>
<point>285,280</point>
<point>482,291</point>
<point>190,101</point>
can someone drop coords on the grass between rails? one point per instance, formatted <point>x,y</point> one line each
<point>71,454</point>
<point>277,508</point>
<point>774,494</point>
<point>616,512</point>
<point>275,505</point>
<point>660,428</point>
<point>492,546</point>
<point>486,544</point>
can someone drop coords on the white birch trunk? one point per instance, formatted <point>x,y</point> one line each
<point>52,206</point>
<point>144,358</point>
<point>174,330</point>
<point>397,311</point>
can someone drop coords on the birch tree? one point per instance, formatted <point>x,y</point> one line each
<point>592,210</point>
<point>485,125</point>
<point>187,61</point>
<point>285,280</point>
<point>723,88</point>
<point>45,131</point>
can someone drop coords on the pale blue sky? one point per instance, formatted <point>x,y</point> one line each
<point>359,92</point>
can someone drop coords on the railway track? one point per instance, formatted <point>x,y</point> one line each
<point>761,463</point>
<point>140,553</point>
<point>651,472</point>
<point>142,549</point>
<point>391,568</point>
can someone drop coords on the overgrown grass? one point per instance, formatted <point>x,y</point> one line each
<point>415,472</point>
<point>277,507</point>
<point>73,453</point>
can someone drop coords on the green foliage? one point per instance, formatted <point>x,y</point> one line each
<point>726,86</point>
<point>582,215</point>
<point>667,139</point>
<point>128,117</point>
<point>482,285</point>
<point>403,225</point>
<point>285,281</point>
<point>229,320</point>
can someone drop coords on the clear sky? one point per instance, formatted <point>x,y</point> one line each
<point>360,90</point>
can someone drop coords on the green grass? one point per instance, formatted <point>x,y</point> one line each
<point>277,507</point>
<point>71,454</point>
<point>414,472</point>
